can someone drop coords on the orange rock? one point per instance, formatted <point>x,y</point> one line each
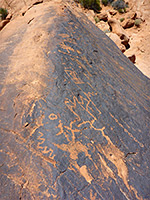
<point>127,23</point>
<point>103,16</point>
<point>3,23</point>
<point>115,38</point>
<point>117,28</point>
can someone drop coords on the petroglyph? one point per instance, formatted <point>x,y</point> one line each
<point>73,75</point>
<point>72,108</point>
<point>84,172</point>
<point>52,116</point>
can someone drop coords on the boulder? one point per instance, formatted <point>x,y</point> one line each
<point>103,26</point>
<point>113,12</point>
<point>131,56</point>
<point>131,15</point>
<point>127,23</point>
<point>90,14</point>
<point>103,16</point>
<point>74,111</point>
<point>115,38</point>
<point>117,29</point>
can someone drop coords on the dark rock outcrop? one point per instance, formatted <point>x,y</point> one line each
<point>74,111</point>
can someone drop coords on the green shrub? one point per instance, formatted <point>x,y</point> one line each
<point>97,19</point>
<point>137,22</point>
<point>120,5</point>
<point>110,1</point>
<point>120,10</point>
<point>105,2</point>
<point>91,4</point>
<point>3,13</point>
<point>122,19</point>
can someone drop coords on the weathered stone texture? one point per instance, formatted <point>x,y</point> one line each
<point>74,111</point>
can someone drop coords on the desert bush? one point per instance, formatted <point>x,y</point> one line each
<point>91,4</point>
<point>137,22</point>
<point>122,19</point>
<point>122,10</point>
<point>3,13</point>
<point>119,5</point>
<point>110,1</point>
<point>97,19</point>
<point>105,2</point>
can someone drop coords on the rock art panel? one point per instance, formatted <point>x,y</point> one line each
<point>74,112</point>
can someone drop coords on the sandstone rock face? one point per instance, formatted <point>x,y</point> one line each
<point>74,111</point>
<point>103,16</point>
<point>127,23</point>
<point>103,26</point>
<point>18,5</point>
<point>131,56</point>
<point>90,14</point>
<point>115,38</point>
<point>3,23</point>
<point>116,28</point>
<point>113,12</point>
<point>131,15</point>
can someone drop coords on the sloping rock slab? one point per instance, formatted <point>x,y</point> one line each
<point>74,111</point>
